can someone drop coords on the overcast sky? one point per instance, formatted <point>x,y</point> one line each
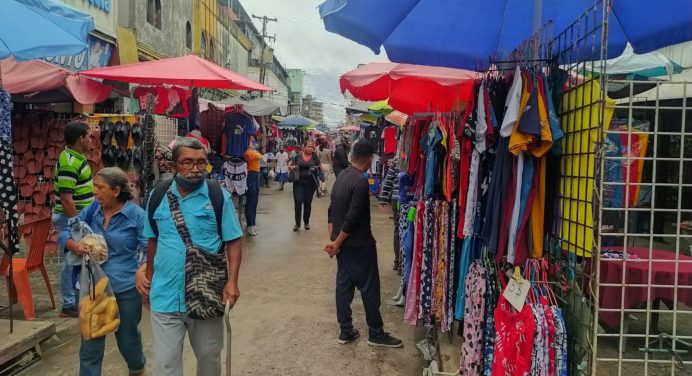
<point>303,43</point>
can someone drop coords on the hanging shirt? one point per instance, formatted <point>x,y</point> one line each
<point>373,134</point>
<point>238,127</point>
<point>582,107</point>
<point>514,337</point>
<point>389,136</point>
<point>429,144</point>
<point>512,105</point>
<point>235,174</point>
<point>479,148</point>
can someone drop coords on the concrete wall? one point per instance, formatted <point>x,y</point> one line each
<point>105,14</point>
<point>279,97</point>
<point>170,39</point>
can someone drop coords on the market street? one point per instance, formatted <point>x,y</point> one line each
<point>285,320</point>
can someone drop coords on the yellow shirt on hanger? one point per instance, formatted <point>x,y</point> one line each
<point>581,111</point>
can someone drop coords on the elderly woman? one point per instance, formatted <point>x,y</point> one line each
<point>122,225</point>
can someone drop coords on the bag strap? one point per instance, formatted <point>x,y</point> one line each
<point>215,196</point>
<point>91,210</point>
<point>178,219</point>
<point>217,200</point>
<point>155,200</point>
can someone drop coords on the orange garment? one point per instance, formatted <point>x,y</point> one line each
<point>538,207</point>
<point>253,160</point>
<point>524,142</point>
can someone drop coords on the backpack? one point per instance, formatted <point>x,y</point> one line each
<point>159,191</point>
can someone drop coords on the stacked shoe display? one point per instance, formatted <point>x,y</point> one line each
<point>37,142</point>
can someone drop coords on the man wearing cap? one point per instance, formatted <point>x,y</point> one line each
<point>74,191</point>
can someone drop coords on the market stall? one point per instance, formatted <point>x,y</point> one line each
<point>532,205</point>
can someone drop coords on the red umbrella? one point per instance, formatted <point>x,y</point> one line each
<point>410,88</point>
<point>187,70</point>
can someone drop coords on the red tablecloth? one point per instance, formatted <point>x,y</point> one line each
<point>637,273</point>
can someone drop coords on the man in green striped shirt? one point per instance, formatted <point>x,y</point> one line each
<point>74,191</point>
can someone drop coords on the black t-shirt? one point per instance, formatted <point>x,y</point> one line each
<point>373,134</point>
<point>349,209</point>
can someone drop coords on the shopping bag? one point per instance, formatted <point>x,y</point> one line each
<point>98,309</point>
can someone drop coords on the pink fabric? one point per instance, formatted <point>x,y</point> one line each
<point>40,76</point>
<point>187,70</point>
<point>413,286</point>
<point>410,88</point>
<point>637,281</point>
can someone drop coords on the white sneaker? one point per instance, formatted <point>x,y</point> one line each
<point>252,231</point>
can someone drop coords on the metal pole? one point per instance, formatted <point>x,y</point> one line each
<point>537,15</point>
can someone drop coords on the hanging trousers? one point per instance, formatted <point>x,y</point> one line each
<point>357,268</point>
<point>253,190</point>
<point>303,192</point>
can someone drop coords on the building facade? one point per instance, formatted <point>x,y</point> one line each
<point>313,109</point>
<point>296,79</point>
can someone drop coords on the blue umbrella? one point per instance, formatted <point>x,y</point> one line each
<point>33,29</point>
<point>295,121</point>
<point>465,33</point>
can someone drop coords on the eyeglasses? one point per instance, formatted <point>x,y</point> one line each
<point>188,164</point>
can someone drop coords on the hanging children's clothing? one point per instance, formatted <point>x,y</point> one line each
<point>235,176</point>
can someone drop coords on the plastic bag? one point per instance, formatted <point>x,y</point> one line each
<point>98,249</point>
<point>272,174</point>
<point>98,309</point>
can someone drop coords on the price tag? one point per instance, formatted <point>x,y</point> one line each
<point>371,181</point>
<point>411,214</point>
<point>516,293</point>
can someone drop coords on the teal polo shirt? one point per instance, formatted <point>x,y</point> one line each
<point>168,284</point>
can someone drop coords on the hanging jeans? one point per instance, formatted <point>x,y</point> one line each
<point>357,267</point>
<point>252,195</point>
<point>67,288</point>
<point>128,338</point>
<point>397,238</point>
<point>303,192</point>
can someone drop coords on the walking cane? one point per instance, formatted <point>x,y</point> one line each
<point>227,320</point>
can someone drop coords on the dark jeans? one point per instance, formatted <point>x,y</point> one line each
<point>303,192</point>
<point>357,267</point>
<point>252,193</point>
<point>128,337</point>
<point>264,176</point>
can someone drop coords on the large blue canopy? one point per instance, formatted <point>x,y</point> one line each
<point>33,29</point>
<point>465,33</point>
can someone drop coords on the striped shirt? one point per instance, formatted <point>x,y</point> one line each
<point>390,185</point>
<point>73,175</point>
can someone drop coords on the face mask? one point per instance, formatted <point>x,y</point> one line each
<point>190,185</point>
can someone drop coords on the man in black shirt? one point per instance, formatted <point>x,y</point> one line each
<point>354,247</point>
<point>341,157</point>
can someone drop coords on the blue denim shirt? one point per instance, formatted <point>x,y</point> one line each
<point>167,293</point>
<point>125,239</point>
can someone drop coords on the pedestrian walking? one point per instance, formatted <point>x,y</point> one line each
<point>282,160</point>
<point>355,249</point>
<point>74,191</point>
<point>267,158</point>
<point>340,161</point>
<point>306,162</point>
<point>254,160</point>
<point>325,156</point>
<point>121,223</point>
<point>197,216</point>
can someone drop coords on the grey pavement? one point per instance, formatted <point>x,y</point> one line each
<point>285,320</point>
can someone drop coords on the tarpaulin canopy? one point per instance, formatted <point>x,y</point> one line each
<point>190,70</point>
<point>380,108</point>
<point>254,107</point>
<point>651,64</point>
<point>410,88</point>
<point>296,121</point>
<point>34,29</point>
<point>465,33</point>
<point>43,82</point>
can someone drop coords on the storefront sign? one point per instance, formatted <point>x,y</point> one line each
<point>98,55</point>
<point>104,5</point>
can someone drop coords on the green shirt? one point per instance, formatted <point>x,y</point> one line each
<point>73,175</point>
